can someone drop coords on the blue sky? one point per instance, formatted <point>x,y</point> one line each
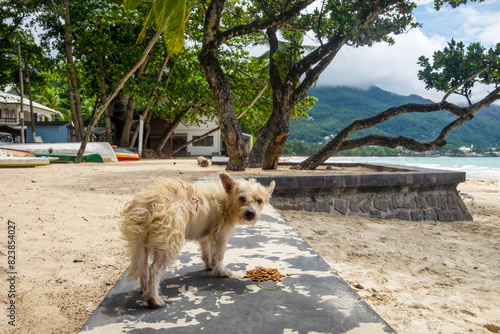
<point>394,68</point>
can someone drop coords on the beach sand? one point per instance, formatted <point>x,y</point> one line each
<point>421,277</point>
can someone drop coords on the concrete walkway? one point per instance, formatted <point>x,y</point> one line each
<point>313,299</point>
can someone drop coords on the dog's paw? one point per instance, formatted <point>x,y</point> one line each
<point>223,273</point>
<point>155,302</point>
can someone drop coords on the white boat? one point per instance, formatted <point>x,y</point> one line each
<point>23,162</point>
<point>101,148</point>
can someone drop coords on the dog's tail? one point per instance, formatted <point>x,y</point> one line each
<point>132,232</point>
<point>139,261</point>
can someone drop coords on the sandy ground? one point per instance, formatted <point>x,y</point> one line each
<point>423,277</point>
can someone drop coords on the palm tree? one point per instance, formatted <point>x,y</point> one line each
<point>50,98</point>
<point>175,11</point>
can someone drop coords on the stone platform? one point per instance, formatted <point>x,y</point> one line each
<point>388,192</point>
<point>314,299</point>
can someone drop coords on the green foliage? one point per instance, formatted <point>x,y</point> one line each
<point>50,98</point>
<point>457,68</point>
<point>345,19</point>
<point>453,3</point>
<point>300,148</point>
<point>13,32</point>
<point>174,11</point>
<point>370,151</point>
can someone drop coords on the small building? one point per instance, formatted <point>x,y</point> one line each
<point>12,113</point>
<point>209,146</point>
<point>466,149</point>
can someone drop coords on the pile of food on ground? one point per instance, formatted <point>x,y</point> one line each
<point>265,274</point>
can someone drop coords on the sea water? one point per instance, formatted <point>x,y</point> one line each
<point>484,168</point>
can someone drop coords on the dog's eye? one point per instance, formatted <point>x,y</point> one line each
<point>259,201</point>
<point>243,199</point>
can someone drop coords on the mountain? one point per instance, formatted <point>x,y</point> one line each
<point>337,107</point>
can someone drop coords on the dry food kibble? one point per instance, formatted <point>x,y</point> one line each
<point>265,274</point>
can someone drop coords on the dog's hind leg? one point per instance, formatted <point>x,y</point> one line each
<point>145,270</point>
<point>161,260</point>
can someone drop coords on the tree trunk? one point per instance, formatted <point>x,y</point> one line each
<point>212,69</point>
<point>273,135</point>
<point>275,146</point>
<point>107,116</point>
<point>78,121</point>
<point>127,122</point>
<point>152,96</point>
<point>206,134</point>
<point>74,115</point>
<point>119,86</point>
<point>129,113</point>
<point>146,135</point>
<point>259,149</point>
<point>228,122</point>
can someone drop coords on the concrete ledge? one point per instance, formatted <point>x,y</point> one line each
<point>390,192</point>
<point>312,299</point>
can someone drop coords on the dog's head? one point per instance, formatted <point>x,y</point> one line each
<point>247,198</point>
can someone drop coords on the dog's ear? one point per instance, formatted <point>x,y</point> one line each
<point>270,189</point>
<point>227,182</point>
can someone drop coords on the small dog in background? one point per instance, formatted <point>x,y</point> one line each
<point>158,221</point>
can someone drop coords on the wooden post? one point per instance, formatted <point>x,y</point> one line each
<point>21,88</point>
<point>33,120</point>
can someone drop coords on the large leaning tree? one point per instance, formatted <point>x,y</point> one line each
<point>217,33</point>
<point>332,23</point>
<point>456,70</point>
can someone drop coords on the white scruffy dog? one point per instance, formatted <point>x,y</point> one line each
<point>158,221</point>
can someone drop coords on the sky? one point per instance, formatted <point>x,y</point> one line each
<point>394,68</point>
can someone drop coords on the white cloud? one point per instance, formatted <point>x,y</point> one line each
<point>478,26</point>
<point>393,68</point>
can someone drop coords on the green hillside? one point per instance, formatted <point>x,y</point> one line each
<point>337,107</point>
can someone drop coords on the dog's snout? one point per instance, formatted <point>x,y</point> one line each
<point>249,214</point>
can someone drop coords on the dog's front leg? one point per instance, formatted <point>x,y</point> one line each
<point>206,254</point>
<point>218,249</point>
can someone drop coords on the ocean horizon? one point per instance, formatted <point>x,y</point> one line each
<point>483,168</point>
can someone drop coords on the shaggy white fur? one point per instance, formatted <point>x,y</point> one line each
<point>157,222</point>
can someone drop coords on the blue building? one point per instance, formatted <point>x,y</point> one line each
<point>51,132</point>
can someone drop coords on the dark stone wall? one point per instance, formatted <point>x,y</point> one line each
<point>414,194</point>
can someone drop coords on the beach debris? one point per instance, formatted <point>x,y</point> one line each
<point>270,289</point>
<point>492,328</point>
<point>469,197</point>
<point>202,161</point>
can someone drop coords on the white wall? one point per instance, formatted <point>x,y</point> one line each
<point>194,130</point>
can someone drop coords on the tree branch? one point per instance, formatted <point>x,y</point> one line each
<point>259,25</point>
<point>409,143</point>
<point>472,76</point>
<point>340,141</point>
